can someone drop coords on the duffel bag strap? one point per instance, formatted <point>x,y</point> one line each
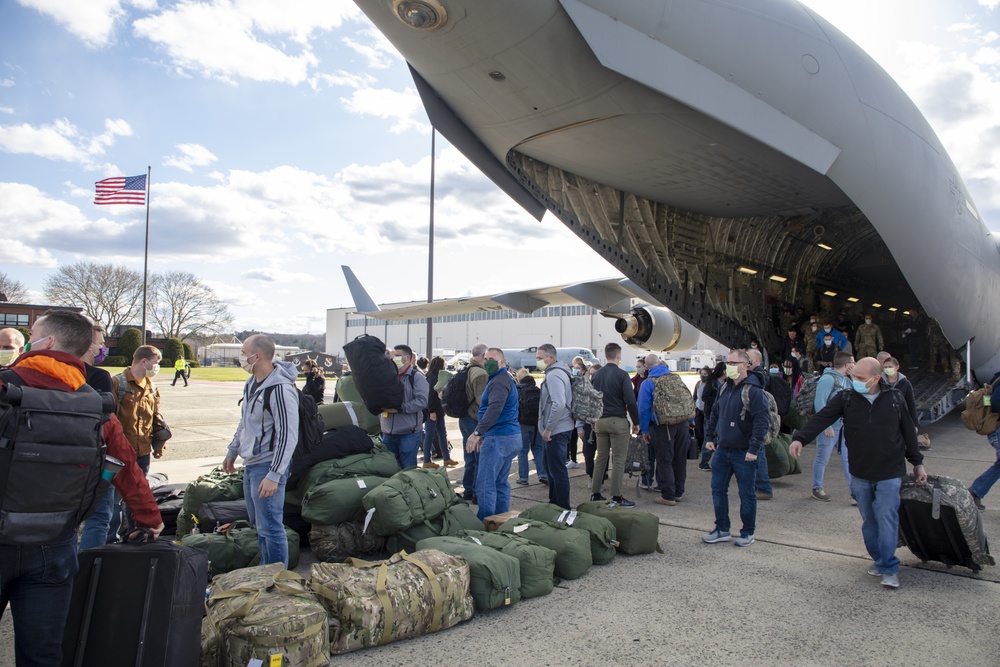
<point>388,615</point>
<point>435,590</point>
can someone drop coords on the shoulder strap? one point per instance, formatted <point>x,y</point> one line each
<point>121,388</point>
<point>10,377</point>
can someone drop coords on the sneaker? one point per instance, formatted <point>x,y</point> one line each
<point>854,501</point>
<point>522,482</point>
<point>647,487</point>
<point>623,501</point>
<point>762,495</point>
<point>890,580</point>
<point>597,496</point>
<point>820,494</point>
<point>715,536</point>
<point>743,541</point>
<point>657,488</point>
<point>544,480</point>
<point>678,498</point>
<point>449,463</point>
<point>704,468</point>
<point>874,571</point>
<point>572,464</point>
<point>977,501</point>
<point>665,501</point>
<point>430,464</point>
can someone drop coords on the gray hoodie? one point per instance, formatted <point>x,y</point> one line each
<point>269,434</point>
<point>556,402</point>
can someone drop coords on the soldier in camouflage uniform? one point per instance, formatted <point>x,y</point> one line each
<point>868,340</point>
<point>810,338</point>
<point>937,347</point>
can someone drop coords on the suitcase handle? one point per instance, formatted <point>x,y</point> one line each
<point>140,536</point>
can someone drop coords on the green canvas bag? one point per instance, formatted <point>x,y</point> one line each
<point>338,500</point>
<point>538,563</point>
<point>637,532</point>
<point>347,391</point>
<point>572,545</point>
<point>603,537</point>
<point>408,498</point>
<point>237,547</point>
<point>214,486</point>
<point>495,577</point>
<point>379,462</point>
<point>456,518</point>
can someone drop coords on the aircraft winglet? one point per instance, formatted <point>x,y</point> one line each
<point>363,303</point>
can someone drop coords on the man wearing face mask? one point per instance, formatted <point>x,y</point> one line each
<point>883,439</point>
<point>839,339</point>
<point>98,378</point>
<point>767,380</point>
<point>497,436</point>
<point>11,345</point>
<point>401,429</point>
<point>826,352</point>
<point>868,340</point>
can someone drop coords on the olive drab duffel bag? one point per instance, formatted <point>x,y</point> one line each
<point>572,545</point>
<point>408,498</point>
<point>337,543</point>
<point>379,462</point>
<point>261,611</point>
<point>338,500</point>
<point>408,595</point>
<point>214,486</point>
<point>455,519</point>
<point>603,537</point>
<point>495,577</point>
<point>236,547</point>
<point>637,532</point>
<point>538,563</point>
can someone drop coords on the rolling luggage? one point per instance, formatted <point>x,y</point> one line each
<point>637,532</point>
<point>215,515</point>
<point>538,563</point>
<point>138,605</point>
<point>338,500</point>
<point>375,375</point>
<point>603,537</point>
<point>495,578</point>
<point>939,521</point>
<point>572,545</point>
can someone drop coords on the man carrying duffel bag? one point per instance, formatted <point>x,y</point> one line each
<point>402,429</point>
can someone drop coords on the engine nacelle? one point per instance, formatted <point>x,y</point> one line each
<point>657,329</point>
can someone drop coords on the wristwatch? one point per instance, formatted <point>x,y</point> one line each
<point>477,434</point>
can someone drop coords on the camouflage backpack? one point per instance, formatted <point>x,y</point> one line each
<point>588,402</point>
<point>773,419</point>
<point>672,401</point>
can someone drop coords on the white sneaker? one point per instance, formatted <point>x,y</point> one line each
<point>572,464</point>
<point>890,581</point>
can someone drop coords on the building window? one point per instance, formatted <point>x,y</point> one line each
<point>13,320</point>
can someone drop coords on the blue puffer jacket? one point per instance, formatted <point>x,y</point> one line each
<point>727,426</point>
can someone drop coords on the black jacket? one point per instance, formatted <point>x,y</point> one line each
<point>315,386</point>
<point>906,389</point>
<point>879,436</point>
<point>616,385</point>
<point>433,399</point>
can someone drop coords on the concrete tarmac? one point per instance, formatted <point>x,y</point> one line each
<point>799,596</point>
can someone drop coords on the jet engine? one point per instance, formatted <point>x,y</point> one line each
<point>656,329</point>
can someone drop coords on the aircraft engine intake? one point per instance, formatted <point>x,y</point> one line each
<point>656,328</point>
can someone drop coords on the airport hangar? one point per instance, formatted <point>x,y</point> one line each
<point>562,326</point>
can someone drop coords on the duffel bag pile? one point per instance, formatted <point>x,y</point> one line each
<point>214,486</point>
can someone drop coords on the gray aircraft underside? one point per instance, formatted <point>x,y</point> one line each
<point>684,139</point>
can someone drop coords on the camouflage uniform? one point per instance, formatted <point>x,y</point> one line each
<point>937,346</point>
<point>868,341</point>
<point>810,337</point>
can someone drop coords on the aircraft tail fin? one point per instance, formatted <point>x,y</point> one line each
<point>363,303</point>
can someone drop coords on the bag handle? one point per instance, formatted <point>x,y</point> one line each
<point>435,589</point>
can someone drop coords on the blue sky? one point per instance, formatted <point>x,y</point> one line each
<point>286,139</point>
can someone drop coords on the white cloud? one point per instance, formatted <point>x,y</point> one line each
<point>989,4</point>
<point>376,49</point>
<point>93,21</point>
<point>403,108</point>
<point>192,155</point>
<point>7,83</point>
<point>6,110</point>
<point>62,140</point>
<point>277,275</point>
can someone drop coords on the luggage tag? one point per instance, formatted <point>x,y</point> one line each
<point>562,516</point>
<point>277,660</point>
<point>255,662</point>
<point>476,540</point>
<point>506,596</point>
<point>368,520</point>
<point>523,527</point>
<point>571,518</point>
<point>361,483</point>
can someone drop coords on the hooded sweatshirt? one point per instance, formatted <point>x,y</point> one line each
<point>647,414</point>
<point>729,427</point>
<point>269,434</point>
<point>555,408</point>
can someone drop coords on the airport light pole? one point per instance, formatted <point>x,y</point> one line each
<point>430,257</point>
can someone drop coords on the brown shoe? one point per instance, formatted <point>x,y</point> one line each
<point>449,463</point>
<point>430,464</point>
<point>664,501</point>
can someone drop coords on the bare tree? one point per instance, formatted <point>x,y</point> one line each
<point>183,306</point>
<point>13,289</point>
<point>111,295</point>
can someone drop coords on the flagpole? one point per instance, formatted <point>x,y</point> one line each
<point>145,261</point>
<point>430,258</point>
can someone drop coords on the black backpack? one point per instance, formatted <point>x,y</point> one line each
<point>782,393</point>
<point>454,398</point>
<point>311,425</point>
<point>528,400</point>
<point>52,455</point>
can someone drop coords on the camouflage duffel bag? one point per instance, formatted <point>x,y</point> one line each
<point>337,500</point>
<point>214,486</point>
<point>261,611</point>
<point>381,602</point>
<point>409,498</point>
<point>456,518</point>
<point>495,577</point>
<point>337,543</point>
<point>572,545</point>
<point>379,462</point>
<point>538,563</point>
<point>603,536</point>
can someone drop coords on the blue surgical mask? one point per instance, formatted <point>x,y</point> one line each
<point>859,386</point>
<point>774,371</point>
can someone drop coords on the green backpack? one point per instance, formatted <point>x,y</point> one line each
<point>496,577</point>
<point>379,462</point>
<point>637,532</point>
<point>572,545</point>
<point>236,548</point>
<point>456,518</point>
<point>216,485</point>
<point>408,498</point>
<point>337,500</point>
<point>538,563</point>
<point>603,537</point>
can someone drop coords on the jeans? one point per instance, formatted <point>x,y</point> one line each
<point>671,445</point>
<point>119,510</point>
<point>763,478</point>
<point>555,466</point>
<point>531,439</point>
<point>266,514</point>
<point>37,581</point>
<point>612,438</point>
<point>824,447</point>
<point>985,482</point>
<point>95,527</point>
<point>725,464</point>
<point>493,473</point>
<point>878,503</point>
<point>404,446</point>
<point>435,437</point>
<point>467,425</point>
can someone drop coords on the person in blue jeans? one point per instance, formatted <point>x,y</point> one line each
<point>497,436</point>
<point>985,482</point>
<point>737,440</point>
<point>555,421</point>
<point>763,484</point>
<point>883,439</point>
<point>266,439</point>
<point>475,385</point>
<point>832,381</point>
<point>528,395</point>
<point>402,429</point>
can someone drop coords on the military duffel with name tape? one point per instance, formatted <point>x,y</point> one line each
<point>211,487</point>
<point>258,612</point>
<point>456,518</point>
<point>236,547</point>
<point>495,577</point>
<point>603,537</point>
<point>379,462</point>
<point>408,595</point>
<point>538,563</point>
<point>572,545</point>
<point>408,498</point>
<point>338,500</point>
<point>637,532</point>
<point>337,543</point>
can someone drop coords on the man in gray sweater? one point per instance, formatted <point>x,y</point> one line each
<point>555,421</point>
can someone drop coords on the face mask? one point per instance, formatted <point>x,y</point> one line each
<point>773,371</point>
<point>753,347</point>
<point>828,343</point>
<point>732,372</point>
<point>101,354</point>
<point>890,371</point>
<point>704,377</point>
<point>788,370</point>
<point>540,364</point>
<point>153,371</point>
<point>815,328</point>
<point>398,361</point>
<point>827,329</point>
<point>491,366</point>
<point>7,356</point>
<point>868,321</point>
<point>37,344</point>
<point>860,387</point>
<point>245,362</point>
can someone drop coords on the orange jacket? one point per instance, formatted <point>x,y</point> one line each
<point>136,411</point>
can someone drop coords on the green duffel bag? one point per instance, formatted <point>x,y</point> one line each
<point>408,498</point>
<point>778,461</point>
<point>496,577</point>
<point>637,532</point>
<point>261,611</point>
<point>348,413</point>
<point>538,563</point>
<point>236,548</point>
<point>348,392</point>
<point>335,544</point>
<point>338,500</point>
<point>572,545</point>
<point>211,487</point>
<point>455,519</point>
<point>603,537</point>
<point>379,462</point>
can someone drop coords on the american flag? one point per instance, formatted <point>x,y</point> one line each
<point>121,190</point>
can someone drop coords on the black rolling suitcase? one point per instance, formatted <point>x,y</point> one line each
<point>938,521</point>
<point>138,605</point>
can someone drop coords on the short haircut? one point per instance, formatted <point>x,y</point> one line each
<point>891,360</point>
<point>841,359</point>
<point>497,350</point>
<point>73,332</point>
<point>262,345</point>
<point>612,351</point>
<point>479,349</point>
<point>405,349</point>
<point>16,335</point>
<point>521,374</point>
<point>652,360</point>
<point>548,349</point>
<point>827,334</point>
<point>145,352</point>
<point>742,355</point>
<point>641,360</point>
